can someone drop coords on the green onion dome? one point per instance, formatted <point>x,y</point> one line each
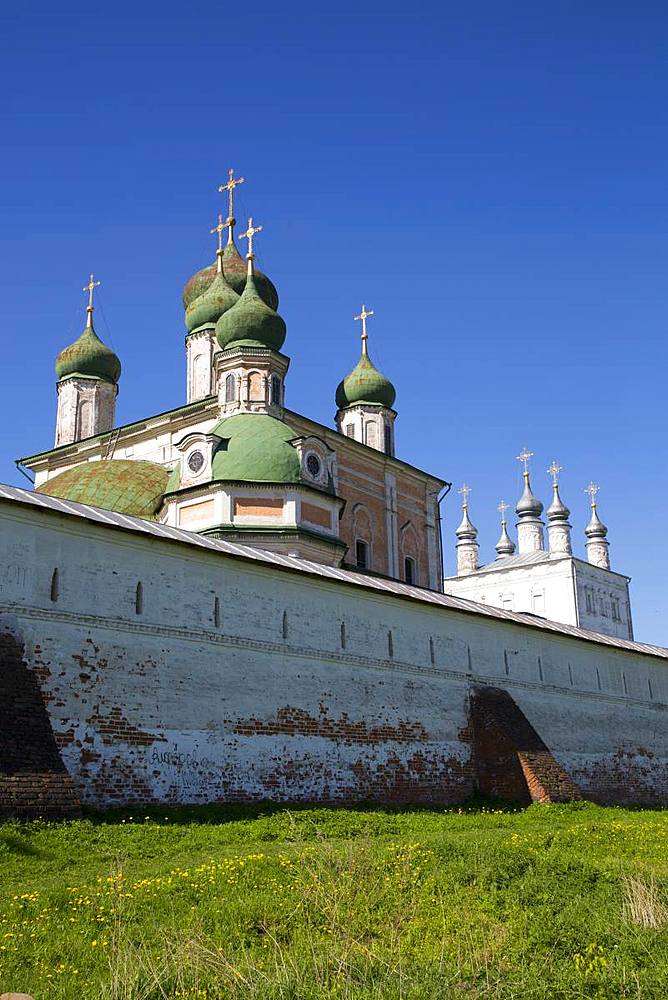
<point>251,322</point>
<point>255,448</point>
<point>121,485</point>
<point>208,307</point>
<point>234,270</point>
<point>365,384</point>
<point>89,356</point>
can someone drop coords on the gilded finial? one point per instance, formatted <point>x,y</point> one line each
<point>364,316</point>
<point>502,508</point>
<point>592,490</point>
<point>232,183</point>
<point>554,471</point>
<point>465,491</point>
<point>90,288</point>
<point>248,235</point>
<point>524,457</point>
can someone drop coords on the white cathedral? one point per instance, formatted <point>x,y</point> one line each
<point>550,582</point>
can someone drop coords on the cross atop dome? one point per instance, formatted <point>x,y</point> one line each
<point>554,471</point>
<point>592,490</point>
<point>90,288</point>
<point>364,315</point>
<point>524,457</point>
<point>465,491</point>
<point>232,183</point>
<point>502,508</point>
<point>220,229</point>
<point>249,234</point>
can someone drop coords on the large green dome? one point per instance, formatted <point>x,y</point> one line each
<point>251,322</point>
<point>117,484</point>
<point>208,307</point>
<point>234,269</point>
<point>256,448</point>
<point>89,356</point>
<point>365,384</point>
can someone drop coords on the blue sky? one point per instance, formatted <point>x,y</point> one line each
<point>491,179</point>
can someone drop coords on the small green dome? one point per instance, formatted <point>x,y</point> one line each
<point>234,269</point>
<point>365,384</point>
<point>256,448</point>
<point>89,356</point>
<point>208,307</point>
<point>120,485</point>
<point>251,322</point>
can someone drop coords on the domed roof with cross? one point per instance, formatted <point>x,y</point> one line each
<point>365,384</point>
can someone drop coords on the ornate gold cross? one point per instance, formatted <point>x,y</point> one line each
<point>90,288</point>
<point>364,316</point>
<point>250,233</point>
<point>554,471</point>
<point>524,457</point>
<point>592,490</point>
<point>229,187</point>
<point>220,229</point>
<point>465,491</point>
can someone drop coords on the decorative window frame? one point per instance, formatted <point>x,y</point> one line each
<point>188,445</point>
<point>312,445</point>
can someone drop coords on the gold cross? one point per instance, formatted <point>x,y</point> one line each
<point>249,234</point>
<point>502,508</point>
<point>220,229</point>
<point>364,316</point>
<point>554,471</point>
<point>465,491</point>
<point>592,490</point>
<point>524,457</point>
<point>229,187</point>
<point>90,288</point>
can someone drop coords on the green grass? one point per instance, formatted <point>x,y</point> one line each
<point>276,903</point>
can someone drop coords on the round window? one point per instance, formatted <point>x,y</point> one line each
<point>195,461</point>
<point>313,465</point>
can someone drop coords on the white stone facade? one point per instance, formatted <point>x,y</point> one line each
<point>233,678</point>
<point>555,586</point>
<point>86,406</point>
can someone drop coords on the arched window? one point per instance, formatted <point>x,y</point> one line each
<point>201,376</point>
<point>409,570</point>
<point>55,585</point>
<point>139,599</point>
<point>85,419</point>
<point>389,444</point>
<point>361,554</point>
<point>255,387</point>
<point>371,434</point>
<point>362,532</point>
<point>230,388</point>
<point>275,396</point>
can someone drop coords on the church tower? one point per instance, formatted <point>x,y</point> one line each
<point>88,372</point>
<point>598,546</point>
<point>530,527</point>
<point>505,545</point>
<point>211,292</point>
<point>558,528</point>
<point>249,367</point>
<point>365,399</point>
<point>467,539</point>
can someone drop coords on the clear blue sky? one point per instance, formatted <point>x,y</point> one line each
<point>491,178</point>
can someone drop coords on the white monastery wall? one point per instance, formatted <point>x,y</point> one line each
<point>228,678</point>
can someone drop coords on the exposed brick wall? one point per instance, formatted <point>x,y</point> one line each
<point>512,761</point>
<point>33,778</point>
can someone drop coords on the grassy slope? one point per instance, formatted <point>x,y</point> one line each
<point>316,903</point>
